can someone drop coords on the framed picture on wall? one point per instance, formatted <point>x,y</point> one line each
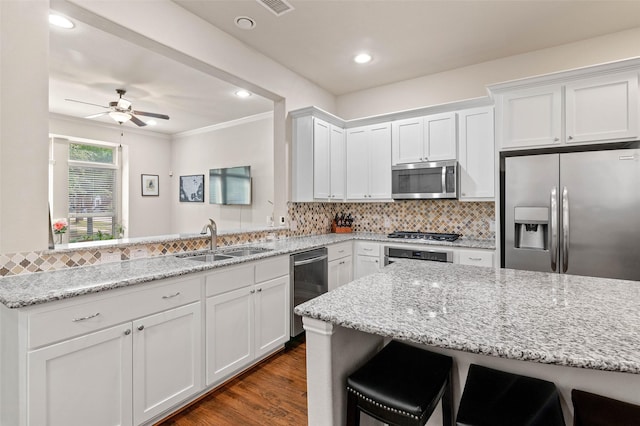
<point>150,185</point>
<point>192,189</point>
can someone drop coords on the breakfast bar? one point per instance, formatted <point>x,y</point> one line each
<point>578,332</point>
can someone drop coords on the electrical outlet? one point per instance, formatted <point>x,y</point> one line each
<point>387,223</point>
<point>282,221</point>
<point>109,256</point>
<point>492,225</point>
<point>294,225</point>
<point>139,253</point>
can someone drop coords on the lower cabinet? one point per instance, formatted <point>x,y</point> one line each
<point>340,265</point>
<point>367,258</point>
<point>93,379</point>
<point>244,324</point>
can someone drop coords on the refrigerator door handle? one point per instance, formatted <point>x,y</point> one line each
<point>553,220</point>
<point>565,229</point>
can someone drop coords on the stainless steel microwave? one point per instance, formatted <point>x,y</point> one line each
<point>417,181</point>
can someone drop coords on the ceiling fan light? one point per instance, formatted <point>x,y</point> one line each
<point>124,103</point>
<point>120,117</point>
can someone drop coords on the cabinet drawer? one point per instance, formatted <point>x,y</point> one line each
<point>228,279</point>
<point>337,251</point>
<point>478,258</point>
<point>272,268</point>
<point>368,249</point>
<point>81,318</point>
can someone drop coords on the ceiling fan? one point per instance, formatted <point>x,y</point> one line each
<point>121,110</point>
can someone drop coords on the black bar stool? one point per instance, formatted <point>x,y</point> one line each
<point>401,385</point>
<point>496,398</point>
<point>590,409</point>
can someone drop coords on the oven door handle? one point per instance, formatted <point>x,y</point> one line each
<point>312,260</point>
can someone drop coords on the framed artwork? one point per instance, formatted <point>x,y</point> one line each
<point>192,189</point>
<point>150,185</point>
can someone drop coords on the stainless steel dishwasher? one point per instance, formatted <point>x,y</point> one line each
<point>309,278</point>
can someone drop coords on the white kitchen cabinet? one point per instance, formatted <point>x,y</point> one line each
<point>328,161</point>
<point>429,138</point>
<point>602,108</point>
<point>369,162</point>
<point>474,257</point>
<point>117,371</point>
<point>368,258</point>
<point>167,356</point>
<point>247,315</point>
<point>340,264</point>
<point>476,156</point>
<point>83,381</point>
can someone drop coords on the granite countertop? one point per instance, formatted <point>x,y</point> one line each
<point>531,316</point>
<point>31,289</point>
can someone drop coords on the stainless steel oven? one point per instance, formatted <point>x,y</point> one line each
<point>435,255</point>
<point>437,179</point>
<point>309,279</point>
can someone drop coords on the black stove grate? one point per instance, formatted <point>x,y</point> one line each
<point>414,235</point>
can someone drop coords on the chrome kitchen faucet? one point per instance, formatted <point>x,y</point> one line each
<point>213,242</point>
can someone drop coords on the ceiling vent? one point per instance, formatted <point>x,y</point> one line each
<point>277,7</point>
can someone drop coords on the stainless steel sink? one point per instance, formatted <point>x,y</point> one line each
<point>206,257</point>
<point>247,251</point>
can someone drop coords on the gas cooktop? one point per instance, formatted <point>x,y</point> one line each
<point>435,236</point>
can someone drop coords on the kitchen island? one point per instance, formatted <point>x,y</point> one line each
<point>579,332</point>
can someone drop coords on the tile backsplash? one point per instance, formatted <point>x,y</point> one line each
<point>470,219</point>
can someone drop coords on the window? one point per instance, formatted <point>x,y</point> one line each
<point>92,192</point>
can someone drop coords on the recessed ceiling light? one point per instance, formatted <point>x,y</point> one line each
<point>243,93</point>
<point>362,58</point>
<point>245,22</point>
<point>60,21</point>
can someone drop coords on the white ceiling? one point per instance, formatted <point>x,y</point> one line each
<point>319,38</point>
<point>87,64</point>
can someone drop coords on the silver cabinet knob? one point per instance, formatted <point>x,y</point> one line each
<point>141,327</point>
<point>127,332</point>
<point>259,290</point>
<point>570,137</point>
<point>556,139</point>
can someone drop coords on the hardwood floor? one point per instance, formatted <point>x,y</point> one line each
<point>271,393</point>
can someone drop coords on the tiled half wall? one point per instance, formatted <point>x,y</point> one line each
<point>469,218</point>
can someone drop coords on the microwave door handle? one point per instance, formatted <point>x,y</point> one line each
<point>553,221</point>
<point>444,180</point>
<point>565,229</point>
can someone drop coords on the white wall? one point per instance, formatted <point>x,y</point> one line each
<point>24,39</point>
<point>148,153</point>
<point>470,82</point>
<point>247,142</point>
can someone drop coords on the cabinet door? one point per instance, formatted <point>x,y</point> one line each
<point>357,164</point>
<point>476,154</point>
<point>380,162</point>
<point>440,137</point>
<point>602,108</point>
<point>166,360</point>
<point>229,333</point>
<point>340,272</point>
<point>271,315</point>
<point>366,265</point>
<point>83,381</point>
<point>337,164</point>
<point>408,141</point>
<point>532,117</point>
<point>475,257</point>
<point>321,158</point>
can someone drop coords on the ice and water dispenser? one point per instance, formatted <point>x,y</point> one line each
<point>532,225</point>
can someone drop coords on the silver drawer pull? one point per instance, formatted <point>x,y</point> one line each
<point>86,318</point>
<point>475,258</point>
<point>170,296</point>
<point>367,249</point>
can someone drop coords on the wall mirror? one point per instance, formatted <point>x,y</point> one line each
<point>209,127</point>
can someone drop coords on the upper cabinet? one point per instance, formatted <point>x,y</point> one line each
<point>576,107</point>
<point>328,161</point>
<point>476,156</point>
<point>430,138</point>
<point>369,162</point>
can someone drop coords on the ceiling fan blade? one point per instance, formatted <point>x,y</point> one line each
<point>137,121</point>
<point>151,114</point>
<point>88,103</point>
<point>97,115</point>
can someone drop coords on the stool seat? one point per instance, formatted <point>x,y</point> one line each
<point>497,398</point>
<point>590,409</point>
<point>401,385</point>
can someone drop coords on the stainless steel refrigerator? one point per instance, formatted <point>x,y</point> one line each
<point>576,213</point>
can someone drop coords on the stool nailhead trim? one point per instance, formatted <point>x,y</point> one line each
<point>393,410</point>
